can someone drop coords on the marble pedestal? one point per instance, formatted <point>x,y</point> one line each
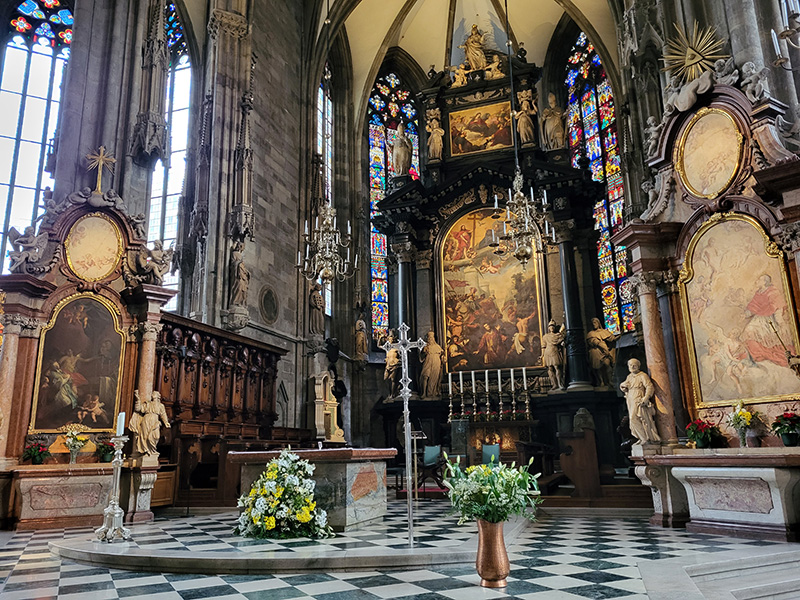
<point>350,482</point>
<point>136,489</point>
<point>47,496</point>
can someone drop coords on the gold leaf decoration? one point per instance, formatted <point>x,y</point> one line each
<point>689,56</point>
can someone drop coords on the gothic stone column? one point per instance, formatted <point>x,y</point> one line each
<point>405,251</point>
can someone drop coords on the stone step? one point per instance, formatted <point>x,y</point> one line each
<point>766,563</point>
<point>788,589</point>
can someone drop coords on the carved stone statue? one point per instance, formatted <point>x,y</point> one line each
<point>601,356</point>
<point>553,354</point>
<point>139,224</point>
<point>150,266</point>
<point>435,135</point>
<point>402,151</point>
<point>639,392</point>
<point>28,248</point>
<point>524,116</point>
<point>493,69</point>
<point>240,277</point>
<point>752,84</point>
<point>553,130</point>
<point>459,75</point>
<point>473,50</point>
<point>362,342</point>
<point>316,310</point>
<point>651,134</point>
<point>393,368</point>
<point>432,358</point>
<point>725,71</point>
<point>145,423</point>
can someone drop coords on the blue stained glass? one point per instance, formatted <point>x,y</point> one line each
<point>571,77</point>
<point>380,317</point>
<point>377,103</point>
<point>30,8</point>
<point>46,31</point>
<point>596,60</point>
<point>380,291</point>
<point>393,80</point>
<point>611,314</point>
<point>379,267</point>
<point>593,147</point>
<point>582,39</point>
<point>616,213</point>
<point>628,314</point>
<point>409,111</point>
<point>378,243</point>
<point>597,169</point>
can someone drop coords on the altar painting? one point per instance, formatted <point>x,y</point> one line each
<point>79,367</point>
<point>739,312</point>
<point>491,308</point>
<point>480,128</point>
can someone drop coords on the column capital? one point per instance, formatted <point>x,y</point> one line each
<point>565,230</point>
<point>646,282</point>
<point>147,330</point>
<point>404,251</point>
<point>20,325</point>
<point>789,238</point>
<point>230,23</point>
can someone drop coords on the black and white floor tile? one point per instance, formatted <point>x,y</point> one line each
<point>557,558</point>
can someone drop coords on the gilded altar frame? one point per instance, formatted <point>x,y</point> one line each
<point>72,239</point>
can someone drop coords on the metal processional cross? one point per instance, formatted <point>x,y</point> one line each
<point>403,346</point>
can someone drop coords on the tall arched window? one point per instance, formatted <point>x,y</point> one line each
<point>34,58</point>
<point>325,151</point>
<point>591,121</point>
<point>390,104</point>
<point>167,182</point>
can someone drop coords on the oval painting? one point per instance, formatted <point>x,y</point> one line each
<point>93,247</point>
<point>709,153</point>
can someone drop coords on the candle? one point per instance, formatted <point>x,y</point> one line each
<point>473,380</point>
<point>487,380</point>
<point>494,240</point>
<point>355,264</point>
<point>795,8</point>
<point>348,226</point>
<point>544,197</point>
<point>306,227</point>
<point>784,14</point>
<point>505,228</point>
<point>499,381</point>
<point>450,381</point>
<point>512,379</point>
<point>546,228</point>
<point>495,201</point>
<point>461,381</point>
<point>775,44</point>
<point>524,379</point>
<point>120,424</point>
<point>299,256</point>
<point>508,213</point>
<point>532,200</point>
<point>554,234</point>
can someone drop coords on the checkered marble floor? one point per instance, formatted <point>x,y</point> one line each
<point>557,558</point>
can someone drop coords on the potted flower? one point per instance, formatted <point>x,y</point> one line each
<point>490,494</point>
<point>787,426</point>
<point>281,502</point>
<point>104,451</point>
<point>36,452</point>
<point>741,420</point>
<point>74,443</point>
<point>702,433</point>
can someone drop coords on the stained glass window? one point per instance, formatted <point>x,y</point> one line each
<point>591,119</point>
<point>35,55</point>
<point>390,104</point>
<point>325,150</point>
<point>167,181</point>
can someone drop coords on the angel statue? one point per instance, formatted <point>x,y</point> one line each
<point>28,247</point>
<point>150,266</point>
<point>145,423</point>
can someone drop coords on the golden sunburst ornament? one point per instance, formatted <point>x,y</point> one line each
<point>688,57</point>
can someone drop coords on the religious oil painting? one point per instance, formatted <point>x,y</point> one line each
<point>709,153</point>
<point>739,313</point>
<point>480,128</point>
<point>79,368</point>
<point>491,307</point>
<point>93,247</point>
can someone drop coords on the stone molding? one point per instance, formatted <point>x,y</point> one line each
<point>230,23</point>
<point>147,330</point>
<point>20,325</point>
<point>404,251</point>
<point>424,259</point>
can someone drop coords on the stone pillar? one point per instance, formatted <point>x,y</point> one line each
<point>425,305</point>
<point>646,283</point>
<point>577,358</point>
<point>136,489</point>
<point>405,252</point>
<point>667,294</point>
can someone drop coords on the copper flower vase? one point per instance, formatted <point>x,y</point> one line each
<point>492,561</point>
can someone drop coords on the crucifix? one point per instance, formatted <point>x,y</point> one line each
<point>101,160</point>
<point>403,346</point>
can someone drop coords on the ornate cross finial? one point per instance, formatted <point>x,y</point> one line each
<point>404,345</point>
<point>100,161</point>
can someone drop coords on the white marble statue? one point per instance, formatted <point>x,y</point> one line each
<point>146,423</point>
<point>555,136</point>
<point>402,151</point>
<point>553,354</point>
<point>601,354</point>
<point>639,393</point>
<point>432,358</point>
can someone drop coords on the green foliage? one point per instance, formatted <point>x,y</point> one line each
<point>35,450</point>
<point>492,492</point>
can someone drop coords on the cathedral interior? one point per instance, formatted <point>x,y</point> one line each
<point>426,227</point>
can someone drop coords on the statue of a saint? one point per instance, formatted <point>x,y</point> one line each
<point>473,50</point>
<point>316,310</point>
<point>432,358</point>
<point>493,69</point>
<point>362,341</point>
<point>639,392</point>
<point>402,150</point>
<point>524,116</point>
<point>435,135</point>
<point>553,355</point>
<point>553,125</point>
<point>601,356</point>
<point>145,423</point>
<point>393,368</point>
<point>240,277</point>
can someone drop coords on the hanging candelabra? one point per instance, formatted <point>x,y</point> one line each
<point>323,249</point>
<point>790,28</point>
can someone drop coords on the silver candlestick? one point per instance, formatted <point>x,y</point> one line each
<point>113,514</point>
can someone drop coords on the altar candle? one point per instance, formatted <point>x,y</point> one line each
<point>508,213</point>
<point>461,381</point>
<point>499,381</point>
<point>554,234</point>
<point>487,380</point>
<point>524,379</point>
<point>473,380</point>
<point>450,381</point>
<point>775,44</point>
<point>495,201</point>
<point>784,13</point>
<point>512,379</point>
<point>120,424</point>
<point>532,200</point>
<point>544,197</point>
<point>299,257</point>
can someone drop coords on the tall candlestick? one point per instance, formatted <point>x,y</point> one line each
<point>524,379</point>
<point>450,382</point>
<point>120,424</point>
<point>512,379</point>
<point>461,381</point>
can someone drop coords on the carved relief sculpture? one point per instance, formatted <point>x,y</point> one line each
<point>435,135</point>
<point>146,423</point>
<point>553,354</point>
<point>752,82</point>
<point>316,310</point>
<point>432,358</point>
<point>459,75</point>
<point>149,266</point>
<point>524,115</point>
<point>240,277</point>
<point>639,392</point>
<point>602,357</point>
<point>553,131</point>
<point>652,133</point>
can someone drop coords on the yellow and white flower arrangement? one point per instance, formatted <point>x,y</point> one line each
<point>74,442</point>
<point>281,502</point>
<point>741,420</point>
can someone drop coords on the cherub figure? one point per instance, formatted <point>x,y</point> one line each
<point>752,84</point>
<point>28,247</point>
<point>459,75</point>
<point>150,266</point>
<point>91,406</point>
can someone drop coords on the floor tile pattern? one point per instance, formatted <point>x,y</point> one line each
<point>558,558</point>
